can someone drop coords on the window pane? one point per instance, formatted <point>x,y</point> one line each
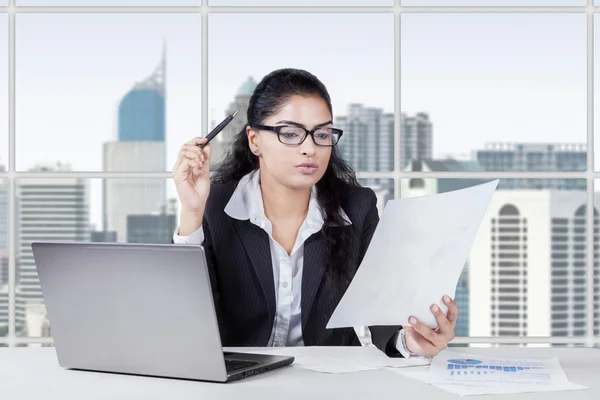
<point>526,272</point>
<point>121,92</point>
<point>596,258</point>
<point>108,3</point>
<point>124,210</point>
<point>510,88</point>
<point>505,3</point>
<point>3,92</point>
<point>362,94</point>
<point>596,88</point>
<point>3,257</point>
<point>305,3</point>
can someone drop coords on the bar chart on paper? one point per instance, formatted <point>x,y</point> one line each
<point>478,370</point>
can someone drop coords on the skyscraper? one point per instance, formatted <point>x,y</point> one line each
<point>220,144</point>
<point>48,210</point>
<point>151,228</point>
<point>529,157</point>
<point>368,143</point>
<point>124,196</point>
<point>529,266</point>
<point>141,112</point>
<point>416,138</point>
<point>3,215</point>
<point>141,147</point>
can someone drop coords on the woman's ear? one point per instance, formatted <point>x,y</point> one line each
<point>252,139</point>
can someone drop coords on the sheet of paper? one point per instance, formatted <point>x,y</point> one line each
<point>416,255</point>
<point>337,359</point>
<point>450,367</point>
<point>422,374</point>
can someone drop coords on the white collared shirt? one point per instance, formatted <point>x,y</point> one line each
<point>246,204</point>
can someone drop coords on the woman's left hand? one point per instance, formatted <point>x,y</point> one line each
<point>424,341</point>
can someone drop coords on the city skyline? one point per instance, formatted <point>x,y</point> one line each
<point>474,89</point>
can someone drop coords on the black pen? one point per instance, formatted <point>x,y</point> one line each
<point>218,129</point>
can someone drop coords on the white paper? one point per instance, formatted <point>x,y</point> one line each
<point>416,256</point>
<point>337,359</point>
<point>450,367</point>
<point>422,374</point>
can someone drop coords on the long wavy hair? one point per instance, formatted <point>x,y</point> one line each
<point>268,98</point>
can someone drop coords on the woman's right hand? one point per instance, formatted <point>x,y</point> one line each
<point>192,176</point>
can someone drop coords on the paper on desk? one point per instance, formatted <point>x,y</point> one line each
<point>422,373</point>
<point>547,375</point>
<point>450,367</point>
<point>415,257</point>
<point>338,359</point>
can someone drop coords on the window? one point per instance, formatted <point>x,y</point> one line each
<point>481,3</point>
<point>465,68</point>
<point>104,105</point>
<point>500,277</point>
<point>3,93</point>
<point>436,96</point>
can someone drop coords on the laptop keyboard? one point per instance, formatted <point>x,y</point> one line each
<point>234,365</point>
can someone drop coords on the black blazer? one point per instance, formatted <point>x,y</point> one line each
<point>241,274</point>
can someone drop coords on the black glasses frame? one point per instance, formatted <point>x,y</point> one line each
<point>277,129</point>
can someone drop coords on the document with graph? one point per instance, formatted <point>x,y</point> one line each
<point>460,368</point>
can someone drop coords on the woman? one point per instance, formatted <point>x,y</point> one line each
<point>285,225</point>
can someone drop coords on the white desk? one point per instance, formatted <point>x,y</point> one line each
<point>33,373</point>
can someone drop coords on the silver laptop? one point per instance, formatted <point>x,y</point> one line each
<point>144,309</point>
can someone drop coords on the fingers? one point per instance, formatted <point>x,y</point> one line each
<point>452,310</point>
<point>427,348</point>
<point>423,329</point>
<point>438,340</point>
<point>196,141</point>
<point>445,327</point>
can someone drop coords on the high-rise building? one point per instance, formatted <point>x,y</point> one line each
<point>3,310</point>
<point>556,157</point>
<point>220,145</point>
<point>416,138</point>
<point>461,298</point>
<point>103,236</point>
<point>3,267</point>
<point>48,210</point>
<point>124,196</point>
<point>141,111</point>
<point>3,215</point>
<point>151,228</point>
<point>368,143</point>
<point>140,147</point>
<point>529,274</point>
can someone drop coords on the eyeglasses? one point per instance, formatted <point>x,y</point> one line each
<point>295,135</point>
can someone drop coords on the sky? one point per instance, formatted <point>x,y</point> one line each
<point>67,105</point>
<point>83,3</point>
<point>356,64</point>
<point>306,3</point>
<point>507,3</point>
<point>4,90</point>
<point>497,77</point>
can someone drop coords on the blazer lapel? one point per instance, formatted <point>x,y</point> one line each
<point>256,242</point>
<point>312,272</point>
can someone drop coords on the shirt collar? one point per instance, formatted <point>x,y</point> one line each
<point>247,203</point>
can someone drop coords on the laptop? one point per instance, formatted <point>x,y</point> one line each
<point>143,309</point>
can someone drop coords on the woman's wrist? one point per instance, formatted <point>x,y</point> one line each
<point>190,222</point>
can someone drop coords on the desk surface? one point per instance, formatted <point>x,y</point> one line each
<point>28,373</point>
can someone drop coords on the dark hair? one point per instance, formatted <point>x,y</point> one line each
<point>268,98</point>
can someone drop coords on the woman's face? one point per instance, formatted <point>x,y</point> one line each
<point>296,166</point>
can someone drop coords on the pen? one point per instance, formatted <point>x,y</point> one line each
<point>218,129</point>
